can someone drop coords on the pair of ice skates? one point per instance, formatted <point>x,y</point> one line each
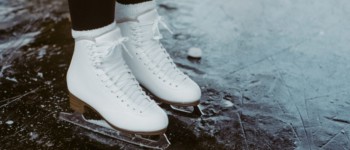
<point>105,75</point>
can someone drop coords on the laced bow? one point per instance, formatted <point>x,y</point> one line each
<point>156,34</point>
<point>113,46</point>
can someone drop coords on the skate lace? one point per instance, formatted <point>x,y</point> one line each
<point>159,60</point>
<point>118,77</point>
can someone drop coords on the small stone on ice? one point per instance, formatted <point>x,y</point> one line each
<point>194,52</point>
<point>226,103</point>
<point>9,122</point>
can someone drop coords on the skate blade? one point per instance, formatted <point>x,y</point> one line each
<point>102,127</point>
<point>187,111</point>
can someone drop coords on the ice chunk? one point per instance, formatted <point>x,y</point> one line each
<point>194,52</point>
<point>9,122</point>
<point>3,70</point>
<point>11,79</point>
<point>33,135</point>
<point>42,52</point>
<point>226,103</point>
<point>40,74</point>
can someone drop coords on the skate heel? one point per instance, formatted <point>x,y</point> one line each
<point>76,104</point>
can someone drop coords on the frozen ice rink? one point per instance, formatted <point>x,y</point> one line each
<point>275,74</point>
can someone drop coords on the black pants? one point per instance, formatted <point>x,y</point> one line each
<point>92,14</point>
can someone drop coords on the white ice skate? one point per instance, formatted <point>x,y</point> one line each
<point>98,78</point>
<point>152,65</point>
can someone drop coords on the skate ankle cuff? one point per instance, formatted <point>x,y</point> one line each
<point>131,11</point>
<point>91,34</point>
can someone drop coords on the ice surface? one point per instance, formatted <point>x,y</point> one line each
<point>275,75</point>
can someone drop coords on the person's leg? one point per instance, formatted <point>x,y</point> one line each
<point>91,14</point>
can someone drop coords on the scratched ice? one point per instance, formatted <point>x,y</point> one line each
<point>274,75</point>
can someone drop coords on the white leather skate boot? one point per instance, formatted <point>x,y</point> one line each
<point>99,78</point>
<point>152,65</point>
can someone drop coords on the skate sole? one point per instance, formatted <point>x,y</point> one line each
<point>172,103</point>
<point>165,104</point>
<point>177,104</point>
<point>79,107</point>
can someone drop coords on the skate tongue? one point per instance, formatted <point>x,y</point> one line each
<point>109,36</point>
<point>148,17</point>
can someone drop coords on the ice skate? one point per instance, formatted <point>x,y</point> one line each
<point>98,78</point>
<point>152,65</point>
